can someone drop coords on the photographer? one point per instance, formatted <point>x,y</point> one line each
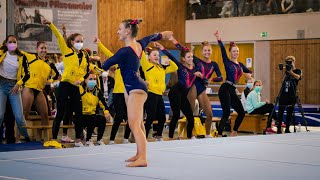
<point>288,93</point>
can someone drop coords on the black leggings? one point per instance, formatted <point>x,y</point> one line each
<point>120,115</point>
<point>154,107</point>
<point>288,117</point>
<point>267,108</point>
<point>8,123</point>
<point>68,93</point>
<point>67,117</point>
<point>178,101</point>
<point>92,121</point>
<point>228,97</point>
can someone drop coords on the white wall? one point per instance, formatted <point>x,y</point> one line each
<point>249,28</point>
<point>3,20</point>
<point>262,67</point>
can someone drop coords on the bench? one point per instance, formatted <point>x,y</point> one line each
<point>255,123</point>
<point>37,132</point>
<point>33,124</point>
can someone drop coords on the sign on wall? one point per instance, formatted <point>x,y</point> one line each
<point>25,21</point>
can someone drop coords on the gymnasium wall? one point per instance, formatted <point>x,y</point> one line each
<point>157,15</point>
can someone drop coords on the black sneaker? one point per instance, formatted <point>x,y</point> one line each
<point>279,131</point>
<point>287,131</point>
<point>27,139</point>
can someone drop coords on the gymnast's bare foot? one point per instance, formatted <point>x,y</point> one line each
<point>132,159</point>
<point>138,163</point>
<point>234,133</point>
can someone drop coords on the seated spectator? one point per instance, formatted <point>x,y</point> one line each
<point>313,5</point>
<point>259,7</point>
<point>255,106</point>
<point>245,93</point>
<point>195,8</point>
<point>238,7</point>
<point>226,9</point>
<point>288,6</point>
<point>92,100</point>
<point>272,7</point>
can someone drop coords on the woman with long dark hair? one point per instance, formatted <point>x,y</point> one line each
<point>14,72</point>
<point>40,72</point>
<point>187,74</point>
<point>207,67</point>
<point>76,70</point>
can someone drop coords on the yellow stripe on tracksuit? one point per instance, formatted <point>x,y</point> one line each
<point>155,75</point>
<point>21,69</point>
<point>40,71</point>
<point>90,101</point>
<point>73,71</point>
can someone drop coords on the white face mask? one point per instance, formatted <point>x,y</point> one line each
<point>78,46</point>
<point>249,85</point>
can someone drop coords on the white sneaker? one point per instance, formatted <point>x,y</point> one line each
<point>89,143</point>
<point>84,134</point>
<point>193,138</point>
<point>160,139</point>
<point>94,134</point>
<point>125,141</point>
<point>309,10</point>
<point>100,143</point>
<point>78,144</point>
<point>111,142</point>
<point>66,139</point>
<point>208,136</point>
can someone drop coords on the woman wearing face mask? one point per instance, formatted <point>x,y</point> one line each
<point>76,69</point>
<point>207,67</point>
<point>128,59</point>
<point>187,74</point>
<point>14,72</point>
<point>255,106</point>
<point>227,92</point>
<point>155,74</point>
<point>40,72</point>
<point>245,93</point>
<point>92,99</point>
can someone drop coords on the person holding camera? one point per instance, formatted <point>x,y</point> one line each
<point>288,95</point>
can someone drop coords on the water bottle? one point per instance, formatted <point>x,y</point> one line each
<point>299,127</point>
<point>193,16</point>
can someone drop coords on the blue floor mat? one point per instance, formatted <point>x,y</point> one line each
<point>22,146</point>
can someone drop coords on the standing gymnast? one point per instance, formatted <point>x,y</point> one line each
<point>155,76</point>
<point>178,93</point>
<point>119,102</point>
<point>128,59</point>
<point>207,67</point>
<point>227,92</point>
<point>40,72</point>
<point>76,70</point>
